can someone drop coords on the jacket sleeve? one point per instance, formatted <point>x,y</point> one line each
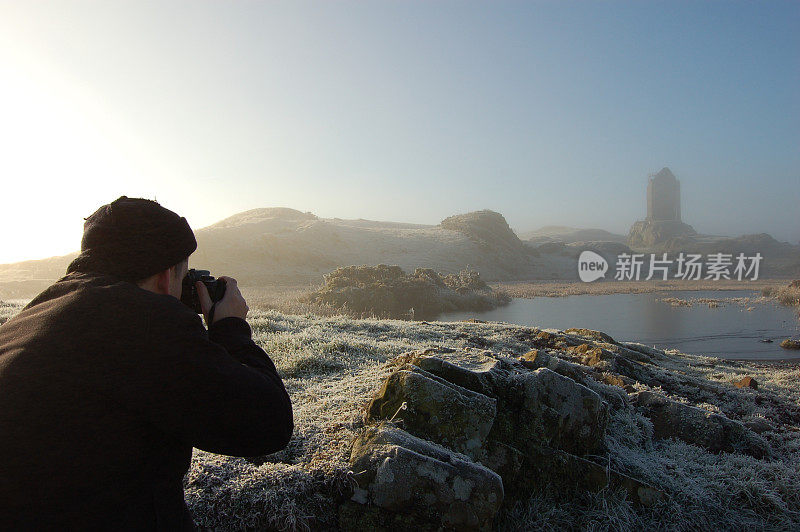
<point>217,391</point>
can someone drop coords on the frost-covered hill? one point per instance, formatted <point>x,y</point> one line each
<point>284,245</point>
<point>280,245</point>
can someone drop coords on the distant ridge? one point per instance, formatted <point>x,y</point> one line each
<point>560,233</point>
<point>287,246</point>
<point>260,215</point>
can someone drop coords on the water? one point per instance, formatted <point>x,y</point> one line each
<point>729,331</point>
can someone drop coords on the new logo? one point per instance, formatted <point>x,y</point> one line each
<point>591,266</point>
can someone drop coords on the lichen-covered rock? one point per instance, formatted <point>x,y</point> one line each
<point>535,359</point>
<point>594,335</point>
<point>544,408</point>
<point>590,355</point>
<point>551,340</point>
<point>435,409</point>
<point>540,407</point>
<point>478,373</point>
<point>539,358</point>
<point>398,472</point>
<point>700,427</point>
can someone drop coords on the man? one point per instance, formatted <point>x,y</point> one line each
<point>107,381</point>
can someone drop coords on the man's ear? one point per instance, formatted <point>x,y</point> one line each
<point>162,281</point>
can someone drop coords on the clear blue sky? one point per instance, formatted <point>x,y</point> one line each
<point>548,112</point>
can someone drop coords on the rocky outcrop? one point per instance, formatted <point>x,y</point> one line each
<point>415,483</point>
<point>487,228</point>
<point>436,409</point>
<point>660,234</point>
<point>543,408</point>
<point>507,428</point>
<point>388,291</point>
<point>476,430</point>
<point>713,432</point>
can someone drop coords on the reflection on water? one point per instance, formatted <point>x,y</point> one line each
<point>730,331</point>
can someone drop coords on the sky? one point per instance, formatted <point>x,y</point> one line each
<point>551,113</point>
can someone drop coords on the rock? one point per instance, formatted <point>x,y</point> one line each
<point>795,284</point>
<point>535,359</point>
<point>747,382</point>
<point>758,425</point>
<point>435,409</point>
<point>591,356</point>
<point>543,408</point>
<point>551,340</point>
<point>635,351</point>
<point>633,370</point>
<point>477,372</point>
<point>615,380</point>
<point>713,432</point>
<point>570,473</point>
<point>431,485</point>
<point>529,426</point>
<point>508,462</point>
<point>790,344</point>
<point>564,367</point>
<point>594,335</point>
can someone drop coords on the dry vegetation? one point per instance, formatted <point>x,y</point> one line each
<point>531,289</point>
<point>716,302</point>
<point>785,295</point>
<point>332,365</point>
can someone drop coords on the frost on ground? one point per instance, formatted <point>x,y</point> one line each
<point>332,367</point>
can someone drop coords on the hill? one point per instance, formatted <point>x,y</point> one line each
<point>560,233</point>
<point>28,278</point>
<point>284,245</point>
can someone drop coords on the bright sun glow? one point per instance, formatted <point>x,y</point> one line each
<point>61,158</point>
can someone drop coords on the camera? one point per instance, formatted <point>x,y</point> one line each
<point>189,295</point>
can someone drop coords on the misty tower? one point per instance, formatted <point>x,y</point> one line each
<point>664,197</point>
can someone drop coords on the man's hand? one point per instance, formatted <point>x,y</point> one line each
<point>232,303</point>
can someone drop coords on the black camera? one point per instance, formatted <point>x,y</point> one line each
<point>189,296</point>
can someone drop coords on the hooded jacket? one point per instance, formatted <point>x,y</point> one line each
<point>104,390</point>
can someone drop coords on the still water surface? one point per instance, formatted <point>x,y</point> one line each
<point>729,331</point>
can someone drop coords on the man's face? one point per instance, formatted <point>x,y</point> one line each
<point>177,273</point>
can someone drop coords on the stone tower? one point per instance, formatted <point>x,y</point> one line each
<point>664,197</point>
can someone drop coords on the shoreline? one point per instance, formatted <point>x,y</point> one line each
<point>536,288</point>
<point>779,363</point>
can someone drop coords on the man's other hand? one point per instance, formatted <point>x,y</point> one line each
<point>232,303</point>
